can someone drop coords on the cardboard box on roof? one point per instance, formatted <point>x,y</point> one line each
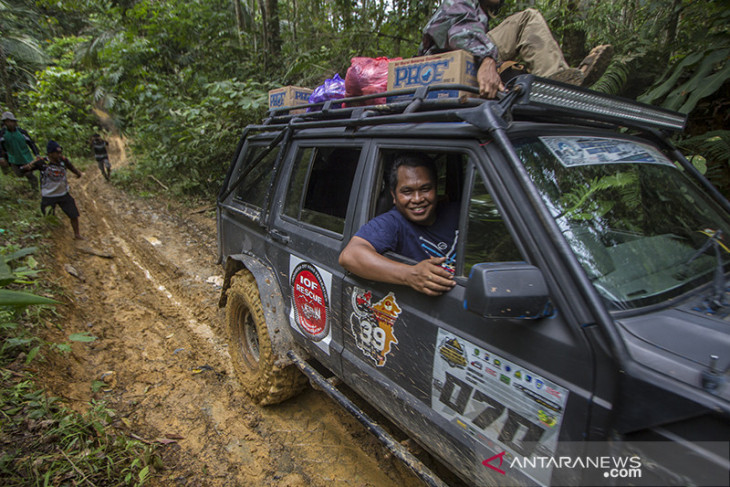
<point>448,67</point>
<point>289,96</point>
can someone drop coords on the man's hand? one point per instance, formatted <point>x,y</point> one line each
<point>489,81</point>
<point>430,278</point>
<point>3,162</point>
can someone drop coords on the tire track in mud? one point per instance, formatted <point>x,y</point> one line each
<point>161,349</point>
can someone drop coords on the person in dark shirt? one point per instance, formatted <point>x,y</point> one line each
<point>417,228</point>
<point>54,184</point>
<point>99,145</point>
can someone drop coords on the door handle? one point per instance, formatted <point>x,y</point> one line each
<point>280,237</point>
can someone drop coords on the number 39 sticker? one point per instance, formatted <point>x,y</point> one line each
<point>372,325</point>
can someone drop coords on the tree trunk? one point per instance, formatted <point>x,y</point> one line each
<point>239,21</point>
<point>574,39</point>
<point>265,29</point>
<point>5,80</point>
<point>676,12</point>
<point>271,21</point>
<point>295,20</point>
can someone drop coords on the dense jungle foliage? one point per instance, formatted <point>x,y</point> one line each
<point>180,79</point>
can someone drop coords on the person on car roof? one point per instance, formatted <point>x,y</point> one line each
<point>464,24</point>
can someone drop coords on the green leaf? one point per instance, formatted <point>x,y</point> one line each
<point>699,162</point>
<point>6,274</point>
<point>20,298</point>
<point>81,337</point>
<point>20,253</point>
<point>63,347</point>
<point>677,98</point>
<point>143,473</point>
<point>665,87</point>
<point>707,87</point>
<point>31,355</point>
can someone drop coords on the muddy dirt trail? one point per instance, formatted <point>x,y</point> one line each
<point>145,283</point>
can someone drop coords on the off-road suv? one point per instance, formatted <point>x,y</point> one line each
<point>590,307</point>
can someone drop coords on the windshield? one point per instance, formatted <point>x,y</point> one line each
<point>641,229</point>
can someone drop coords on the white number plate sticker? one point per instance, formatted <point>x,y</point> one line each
<point>496,401</point>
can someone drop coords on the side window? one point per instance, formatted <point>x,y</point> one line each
<point>320,186</point>
<point>487,238</point>
<point>256,183</point>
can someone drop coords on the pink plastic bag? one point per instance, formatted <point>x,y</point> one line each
<point>366,76</point>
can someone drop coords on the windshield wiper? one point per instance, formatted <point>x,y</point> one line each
<point>717,299</point>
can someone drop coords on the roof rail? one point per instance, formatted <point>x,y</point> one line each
<point>526,97</point>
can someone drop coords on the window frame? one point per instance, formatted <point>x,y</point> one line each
<point>293,159</point>
<point>475,157</point>
<point>250,152</point>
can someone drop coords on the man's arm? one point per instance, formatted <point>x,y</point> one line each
<point>488,78</point>
<point>428,277</point>
<point>31,166</point>
<point>464,25</point>
<point>72,168</point>
<point>29,141</point>
<point>3,155</point>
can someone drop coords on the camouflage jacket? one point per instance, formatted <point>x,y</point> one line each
<point>458,24</point>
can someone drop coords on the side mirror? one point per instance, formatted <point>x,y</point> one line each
<point>507,290</point>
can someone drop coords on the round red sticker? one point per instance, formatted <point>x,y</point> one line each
<point>310,301</point>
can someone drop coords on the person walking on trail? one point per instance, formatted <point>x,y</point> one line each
<point>54,184</point>
<point>99,145</point>
<point>464,24</point>
<point>17,149</point>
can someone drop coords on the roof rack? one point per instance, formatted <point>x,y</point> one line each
<point>526,97</point>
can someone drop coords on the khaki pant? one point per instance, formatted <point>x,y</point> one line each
<point>527,37</point>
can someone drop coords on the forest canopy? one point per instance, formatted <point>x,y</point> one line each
<point>180,79</point>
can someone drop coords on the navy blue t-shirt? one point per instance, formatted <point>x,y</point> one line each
<point>391,231</point>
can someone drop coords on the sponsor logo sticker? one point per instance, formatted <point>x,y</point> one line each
<point>311,305</point>
<point>373,325</point>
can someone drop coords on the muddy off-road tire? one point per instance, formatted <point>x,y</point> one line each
<point>250,346</point>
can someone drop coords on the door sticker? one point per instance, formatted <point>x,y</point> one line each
<point>373,325</point>
<point>498,403</point>
<point>310,291</point>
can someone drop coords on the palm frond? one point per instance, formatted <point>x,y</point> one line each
<point>614,79</point>
<point>24,49</point>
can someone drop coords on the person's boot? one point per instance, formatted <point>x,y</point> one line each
<point>572,76</point>
<point>595,63</point>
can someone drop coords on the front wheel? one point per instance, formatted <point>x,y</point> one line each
<point>250,346</point>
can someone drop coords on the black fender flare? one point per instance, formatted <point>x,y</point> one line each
<point>272,303</point>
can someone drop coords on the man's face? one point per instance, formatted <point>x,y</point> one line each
<point>415,195</point>
<point>55,156</point>
<point>11,124</point>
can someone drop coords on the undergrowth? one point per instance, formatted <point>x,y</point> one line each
<point>43,442</point>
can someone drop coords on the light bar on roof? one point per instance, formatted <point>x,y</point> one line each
<point>565,97</point>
